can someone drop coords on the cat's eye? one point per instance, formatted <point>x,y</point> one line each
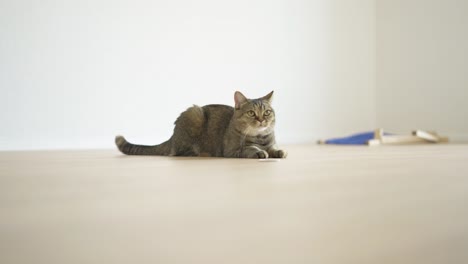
<point>251,113</point>
<point>267,113</point>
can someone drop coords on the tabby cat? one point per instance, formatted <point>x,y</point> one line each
<point>245,131</point>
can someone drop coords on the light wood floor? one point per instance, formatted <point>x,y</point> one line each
<point>324,204</point>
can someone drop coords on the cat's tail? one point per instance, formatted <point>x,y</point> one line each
<point>128,148</point>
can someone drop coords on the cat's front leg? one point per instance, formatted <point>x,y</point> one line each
<point>253,152</point>
<point>277,153</point>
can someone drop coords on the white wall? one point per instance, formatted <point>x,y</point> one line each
<point>422,66</point>
<point>74,73</point>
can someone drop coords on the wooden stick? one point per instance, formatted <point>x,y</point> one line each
<point>378,133</point>
<point>430,136</point>
<point>426,136</point>
<point>401,140</point>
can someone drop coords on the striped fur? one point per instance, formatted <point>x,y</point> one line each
<point>245,131</point>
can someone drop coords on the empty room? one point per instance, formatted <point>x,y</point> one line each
<point>248,131</point>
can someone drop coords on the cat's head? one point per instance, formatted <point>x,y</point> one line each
<point>254,116</point>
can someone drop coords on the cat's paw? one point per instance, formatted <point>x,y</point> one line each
<point>281,154</point>
<point>262,154</point>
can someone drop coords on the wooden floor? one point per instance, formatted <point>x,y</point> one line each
<point>324,204</point>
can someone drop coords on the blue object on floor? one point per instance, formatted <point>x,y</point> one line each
<point>356,139</point>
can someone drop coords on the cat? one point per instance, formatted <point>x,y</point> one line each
<point>243,131</point>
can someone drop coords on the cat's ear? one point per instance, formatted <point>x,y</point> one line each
<point>239,99</point>
<point>268,97</point>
